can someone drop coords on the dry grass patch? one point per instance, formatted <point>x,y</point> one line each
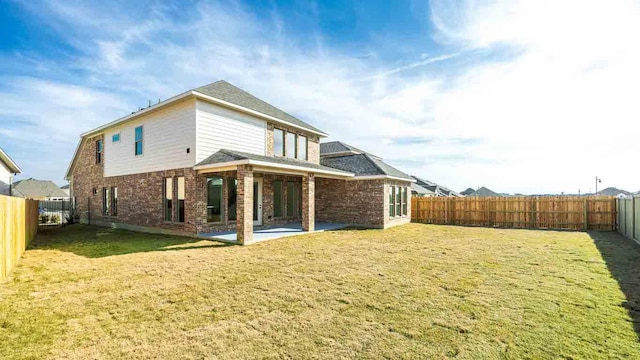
<point>413,291</point>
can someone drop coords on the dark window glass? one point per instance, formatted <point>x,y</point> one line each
<point>115,137</point>
<point>98,151</point>
<point>232,198</point>
<point>114,201</point>
<point>290,147</point>
<point>277,198</point>
<point>404,201</point>
<point>105,201</point>
<point>168,199</point>
<point>278,142</point>
<point>139,139</point>
<point>255,201</point>
<point>293,199</point>
<point>392,197</point>
<point>214,199</point>
<point>302,147</point>
<point>180,200</point>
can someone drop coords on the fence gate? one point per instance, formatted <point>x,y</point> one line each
<point>54,213</point>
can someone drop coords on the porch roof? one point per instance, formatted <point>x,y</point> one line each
<point>225,158</point>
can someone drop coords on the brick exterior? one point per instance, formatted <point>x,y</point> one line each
<point>308,202</point>
<point>362,203</point>
<point>313,141</point>
<point>244,207</point>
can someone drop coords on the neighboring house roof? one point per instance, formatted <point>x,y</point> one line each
<point>467,192</point>
<point>64,187</point>
<point>9,163</point>
<point>225,157</point>
<point>611,191</point>
<point>420,190</point>
<point>438,190</point>
<point>224,91</point>
<point>32,188</point>
<point>338,148</point>
<point>4,188</point>
<point>364,165</point>
<point>485,192</point>
<point>221,93</point>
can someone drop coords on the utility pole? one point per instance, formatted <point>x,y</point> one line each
<point>598,180</point>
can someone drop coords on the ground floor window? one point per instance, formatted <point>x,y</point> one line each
<point>404,201</point>
<point>278,199</point>
<point>180,200</point>
<point>398,200</point>
<point>114,201</point>
<point>168,199</point>
<point>232,198</point>
<point>105,201</point>
<point>214,199</point>
<point>392,197</point>
<point>293,199</point>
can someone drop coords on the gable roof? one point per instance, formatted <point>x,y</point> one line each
<point>9,163</point>
<point>227,92</point>
<point>418,189</point>
<point>226,156</point>
<point>338,148</point>
<point>485,192</point>
<point>37,188</point>
<point>364,165</point>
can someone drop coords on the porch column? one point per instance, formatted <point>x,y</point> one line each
<point>308,202</point>
<point>244,205</point>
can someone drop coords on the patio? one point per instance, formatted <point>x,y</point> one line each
<point>272,232</point>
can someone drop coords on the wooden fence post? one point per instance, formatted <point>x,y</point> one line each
<point>586,214</point>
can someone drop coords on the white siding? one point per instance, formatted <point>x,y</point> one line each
<point>222,128</point>
<point>5,177</point>
<point>167,135</point>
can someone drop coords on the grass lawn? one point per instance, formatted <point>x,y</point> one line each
<point>415,291</point>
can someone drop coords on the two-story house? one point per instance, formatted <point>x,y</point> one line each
<point>8,168</point>
<point>217,158</point>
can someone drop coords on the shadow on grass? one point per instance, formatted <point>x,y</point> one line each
<point>622,256</point>
<point>97,242</point>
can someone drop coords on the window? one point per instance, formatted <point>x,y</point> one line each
<point>214,199</point>
<point>232,198</point>
<point>392,206</point>
<point>398,201</point>
<point>277,198</point>
<point>105,201</point>
<point>302,147</point>
<point>278,142</point>
<point>114,201</point>
<point>404,201</point>
<point>139,138</point>
<point>180,200</point>
<point>168,199</point>
<point>293,199</point>
<point>99,152</point>
<point>115,137</point>
<point>291,145</point>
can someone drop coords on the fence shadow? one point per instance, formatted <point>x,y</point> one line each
<point>97,242</point>
<point>622,256</point>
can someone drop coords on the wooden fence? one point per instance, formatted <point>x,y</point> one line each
<point>18,226</point>
<point>629,218</point>
<point>525,212</point>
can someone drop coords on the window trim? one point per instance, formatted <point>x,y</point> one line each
<point>392,201</point>
<point>306,147</point>
<point>295,146</point>
<point>114,201</point>
<point>105,201</point>
<point>115,138</point>
<point>99,151</point>
<point>284,135</point>
<point>177,200</point>
<point>135,141</point>
<point>222,207</point>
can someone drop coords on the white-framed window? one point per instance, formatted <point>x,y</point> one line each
<point>115,138</point>
<point>290,145</point>
<point>139,141</point>
<point>398,201</point>
<point>278,142</point>
<point>392,197</point>
<point>302,147</point>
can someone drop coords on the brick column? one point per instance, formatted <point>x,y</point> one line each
<point>308,202</point>
<point>244,205</point>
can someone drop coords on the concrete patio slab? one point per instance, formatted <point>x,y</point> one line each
<point>272,232</point>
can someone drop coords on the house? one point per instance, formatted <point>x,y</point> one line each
<point>217,159</point>
<point>8,168</point>
<point>432,189</point>
<point>483,192</point>
<point>66,189</point>
<point>38,190</point>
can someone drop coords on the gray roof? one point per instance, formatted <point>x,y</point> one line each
<point>363,165</point>
<point>224,91</point>
<point>64,187</point>
<point>225,155</point>
<point>32,188</point>
<point>484,192</point>
<point>421,190</point>
<point>333,147</point>
<point>4,188</point>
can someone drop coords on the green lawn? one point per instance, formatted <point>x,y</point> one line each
<point>415,291</point>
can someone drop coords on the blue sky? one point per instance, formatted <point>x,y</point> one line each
<point>517,96</point>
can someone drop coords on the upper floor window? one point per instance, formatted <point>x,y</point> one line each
<point>302,147</point>
<point>115,137</point>
<point>139,139</point>
<point>99,152</point>
<point>278,142</point>
<point>291,145</point>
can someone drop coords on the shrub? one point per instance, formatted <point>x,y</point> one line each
<point>44,218</point>
<point>55,219</point>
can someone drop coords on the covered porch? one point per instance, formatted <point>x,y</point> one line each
<point>249,198</point>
